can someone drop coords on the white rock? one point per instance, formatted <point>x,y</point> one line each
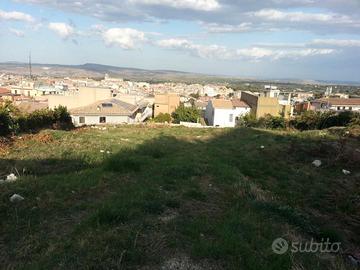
<point>108,152</point>
<point>346,172</point>
<point>262,147</point>
<point>102,151</point>
<point>16,198</point>
<point>11,178</point>
<point>317,163</point>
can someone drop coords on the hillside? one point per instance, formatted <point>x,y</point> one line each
<point>98,71</point>
<point>142,197</point>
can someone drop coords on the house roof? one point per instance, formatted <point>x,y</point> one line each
<point>239,103</point>
<point>340,101</point>
<point>106,107</point>
<point>4,91</point>
<point>222,104</point>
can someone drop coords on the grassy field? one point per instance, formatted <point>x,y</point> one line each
<point>176,198</point>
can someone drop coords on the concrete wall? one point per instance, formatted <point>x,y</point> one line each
<point>251,100</point>
<point>166,103</point>
<point>222,118</point>
<point>84,97</point>
<point>267,105</point>
<point>95,120</point>
<point>239,112</point>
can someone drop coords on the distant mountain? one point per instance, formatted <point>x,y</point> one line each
<point>97,70</point>
<point>93,70</point>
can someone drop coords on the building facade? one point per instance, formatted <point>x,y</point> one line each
<point>166,103</point>
<point>225,113</point>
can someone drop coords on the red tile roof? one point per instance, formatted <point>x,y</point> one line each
<point>340,101</point>
<point>239,103</point>
<point>4,91</point>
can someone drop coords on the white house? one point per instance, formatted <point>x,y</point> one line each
<point>336,104</point>
<point>111,111</point>
<point>224,113</point>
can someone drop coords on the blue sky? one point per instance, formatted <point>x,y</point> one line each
<point>302,39</point>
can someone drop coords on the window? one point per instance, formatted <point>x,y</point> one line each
<point>102,120</point>
<point>106,105</point>
<point>82,120</point>
<point>231,118</point>
<point>350,108</point>
<point>338,108</point>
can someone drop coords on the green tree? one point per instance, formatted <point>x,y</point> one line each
<point>185,114</point>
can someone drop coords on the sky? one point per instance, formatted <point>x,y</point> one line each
<point>274,39</point>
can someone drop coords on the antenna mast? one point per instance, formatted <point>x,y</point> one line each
<point>30,70</point>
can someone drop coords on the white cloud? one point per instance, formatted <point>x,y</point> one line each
<point>202,5</point>
<point>228,28</point>
<point>337,42</point>
<point>64,30</point>
<point>17,32</point>
<point>251,54</point>
<point>299,16</point>
<point>333,16</point>
<point>126,38</point>
<point>16,16</point>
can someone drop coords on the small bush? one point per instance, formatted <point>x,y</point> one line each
<point>162,118</point>
<point>273,122</point>
<point>268,121</point>
<point>248,120</point>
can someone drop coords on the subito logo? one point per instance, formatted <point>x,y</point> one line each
<point>280,246</point>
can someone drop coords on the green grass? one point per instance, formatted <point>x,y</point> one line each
<point>208,194</point>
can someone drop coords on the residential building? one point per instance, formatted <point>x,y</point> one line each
<point>83,97</point>
<point>166,103</point>
<point>264,103</point>
<point>240,108</point>
<point>336,104</point>
<point>224,113</point>
<point>5,94</point>
<point>110,111</point>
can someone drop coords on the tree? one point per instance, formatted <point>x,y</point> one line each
<point>195,95</point>
<point>185,114</point>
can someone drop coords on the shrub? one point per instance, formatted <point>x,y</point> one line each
<point>36,120</point>
<point>185,114</point>
<point>162,118</point>
<point>12,120</point>
<point>273,122</point>
<point>311,120</point>
<point>62,115</point>
<point>248,120</point>
<point>5,122</point>
<point>268,121</point>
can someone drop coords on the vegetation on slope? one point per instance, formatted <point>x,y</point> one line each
<point>144,198</point>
